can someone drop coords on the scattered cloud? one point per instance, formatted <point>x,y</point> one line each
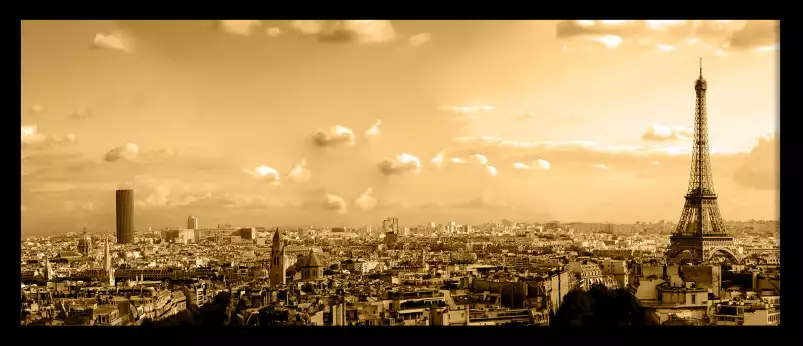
<point>670,35</point>
<point>335,136</point>
<point>538,164</point>
<point>359,31</point>
<point>264,173</point>
<point>239,27</point>
<point>437,161</point>
<point>467,112</point>
<point>400,164</point>
<point>491,170</point>
<point>300,173</point>
<point>335,203</point>
<point>599,166</point>
<point>273,32</point>
<point>655,163</point>
<point>761,169</point>
<point>419,40</point>
<point>374,129</point>
<point>31,139</point>
<point>128,152</point>
<point>366,201</point>
<point>479,158</point>
<point>457,161</point>
<point>118,41</point>
<point>659,132</point>
<point>37,108</point>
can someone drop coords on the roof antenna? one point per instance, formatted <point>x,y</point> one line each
<point>701,67</point>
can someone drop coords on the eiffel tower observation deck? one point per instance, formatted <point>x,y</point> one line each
<point>701,232</point>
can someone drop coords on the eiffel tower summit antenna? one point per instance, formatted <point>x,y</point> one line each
<point>701,67</point>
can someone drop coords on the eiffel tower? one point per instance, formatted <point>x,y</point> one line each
<point>701,231</point>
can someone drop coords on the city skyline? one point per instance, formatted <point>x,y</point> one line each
<point>299,122</point>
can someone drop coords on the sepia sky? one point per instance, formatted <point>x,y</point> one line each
<point>270,123</point>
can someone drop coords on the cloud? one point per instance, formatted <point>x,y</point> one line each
<point>374,129</point>
<point>359,31</point>
<point>538,164</point>
<point>479,158</point>
<point>337,135</point>
<point>600,166</point>
<point>365,201</point>
<point>300,173</point>
<point>239,27</point>
<point>419,40</point>
<point>491,170</point>
<point>273,32</point>
<point>402,163</point>
<point>335,203</point>
<point>659,132</point>
<point>117,40</point>
<point>308,27</point>
<point>756,34</point>
<point>37,108</point>
<point>655,163</point>
<point>670,35</point>
<point>523,116</point>
<point>128,152</point>
<point>761,169</point>
<point>81,114</point>
<point>457,161</point>
<point>468,112</point>
<point>31,139</point>
<point>264,173</point>
<point>437,161</point>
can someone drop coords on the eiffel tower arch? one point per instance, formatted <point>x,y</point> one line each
<point>701,232</point>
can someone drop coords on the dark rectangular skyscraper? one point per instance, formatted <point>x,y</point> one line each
<point>125,216</point>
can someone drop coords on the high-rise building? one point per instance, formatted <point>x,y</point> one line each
<point>125,216</point>
<point>192,222</point>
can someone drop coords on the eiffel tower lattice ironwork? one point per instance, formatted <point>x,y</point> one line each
<point>701,230</point>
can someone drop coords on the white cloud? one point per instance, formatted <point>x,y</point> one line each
<point>457,161</point>
<point>32,139</point>
<point>128,152</point>
<point>117,40</point>
<point>264,173</point>
<point>239,27</point>
<point>658,132</point>
<point>37,108</point>
<point>491,170</point>
<point>88,206</point>
<point>437,161</point>
<point>359,31</point>
<point>669,35</point>
<point>366,201</point>
<point>599,166</point>
<point>374,129</point>
<point>655,163</point>
<point>273,32</point>
<point>479,158</point>
<point>421,39</point>
<point>610,41</point>
<point>300,173</point>
<point>539,164</point>
<point>337,135</point>
<point>400,164</point>
<point>335,203</point>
